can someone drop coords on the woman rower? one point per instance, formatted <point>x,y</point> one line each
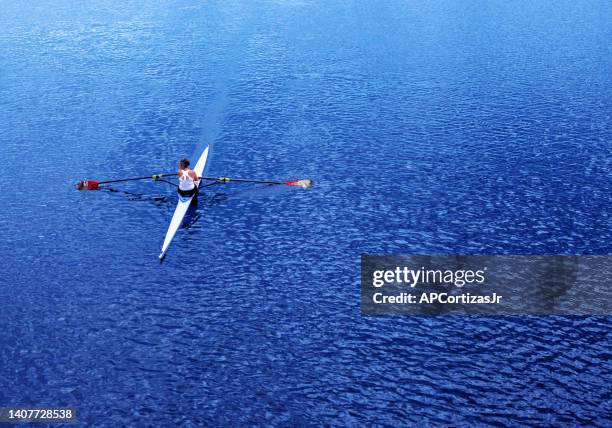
<point>187,179</point>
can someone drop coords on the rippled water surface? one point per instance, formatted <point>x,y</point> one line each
<point>429,128</point>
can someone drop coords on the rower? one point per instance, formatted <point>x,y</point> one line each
<point>187,178</point>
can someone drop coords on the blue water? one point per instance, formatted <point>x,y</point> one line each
<point>443,127</point>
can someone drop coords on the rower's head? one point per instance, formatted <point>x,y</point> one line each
<point>184,163</point>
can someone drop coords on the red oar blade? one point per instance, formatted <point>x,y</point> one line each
<point>88,185</point>
<point>304,183</point>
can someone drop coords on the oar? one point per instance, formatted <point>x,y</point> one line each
<point>94,184</point>
<point>304,183</point>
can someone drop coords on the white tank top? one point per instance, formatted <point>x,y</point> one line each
<point>185,181</point>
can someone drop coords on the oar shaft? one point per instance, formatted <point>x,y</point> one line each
<point>148,177</point>
<point>304,183</point>
<point>94,184</point>
<point>243,180</point>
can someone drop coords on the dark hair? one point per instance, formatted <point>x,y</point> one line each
<point>184,163</point>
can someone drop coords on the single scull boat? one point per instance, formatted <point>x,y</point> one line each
<point>182,205</point>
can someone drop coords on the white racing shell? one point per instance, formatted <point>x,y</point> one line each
<point>182,206</point>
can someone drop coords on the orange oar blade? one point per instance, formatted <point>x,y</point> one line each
<point>88,185</point>
<point>304,183</point>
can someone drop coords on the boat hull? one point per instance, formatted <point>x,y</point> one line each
<point>182,206</point>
